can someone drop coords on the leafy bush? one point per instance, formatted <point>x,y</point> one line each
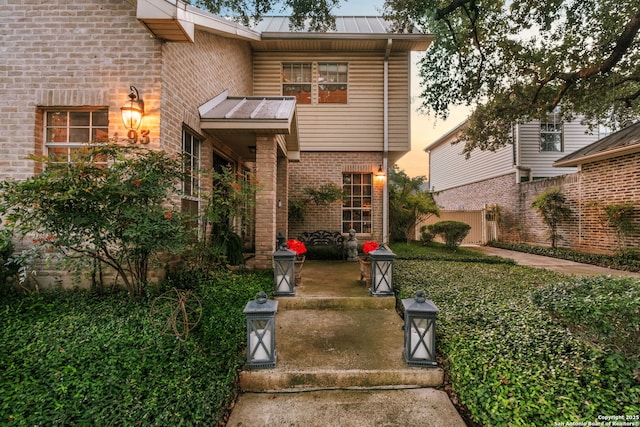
<point>8,269</point>
<point>628,261</point>
<point>117,215</point>
<point>452,232</point>
<point>509,361</point>
<point>74,358</point>
<point>552,207</point>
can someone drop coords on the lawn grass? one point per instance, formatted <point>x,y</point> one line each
<point>73,358</point>
<point>513,357</point>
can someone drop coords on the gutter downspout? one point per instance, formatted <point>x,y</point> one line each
<point>385,150</point>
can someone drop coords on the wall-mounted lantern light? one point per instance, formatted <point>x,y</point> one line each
<point>381,272</point>
<point>380,175</point>
<point>261,332</point>
<point>132,114</point>
<point>420,330</point>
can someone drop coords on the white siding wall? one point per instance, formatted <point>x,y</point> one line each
<point>358,125</point>
<point>449,168</point>
<point>540,162</point>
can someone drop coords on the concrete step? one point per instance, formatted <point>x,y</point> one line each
<point>330,379</point>
<point>336,303</point>
<point>325,349</point>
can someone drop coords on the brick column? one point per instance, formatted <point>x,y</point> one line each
<point>282,213</point>
<point>266,200</point>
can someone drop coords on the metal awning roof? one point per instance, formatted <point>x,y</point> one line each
<point>228,117</point>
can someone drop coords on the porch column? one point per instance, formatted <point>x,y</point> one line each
<point>282,214</point>
<point>266,200</point>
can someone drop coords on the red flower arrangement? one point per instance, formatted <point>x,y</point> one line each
<point>297,246</point>
<point>369,246</point>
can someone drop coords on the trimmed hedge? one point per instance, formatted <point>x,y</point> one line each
<point>619,262</point>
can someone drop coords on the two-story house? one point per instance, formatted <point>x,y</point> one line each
<point>490,178</point>
<point>297,109</point>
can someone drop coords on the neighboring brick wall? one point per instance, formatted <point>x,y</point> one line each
<point>318,168</point>
<point>500,191</point>
<point>476,196</point>
<point>596,185</point>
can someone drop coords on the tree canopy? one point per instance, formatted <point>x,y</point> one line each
<point>515,61</point>
<point>509,61</point>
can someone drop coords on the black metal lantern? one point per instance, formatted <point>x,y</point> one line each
<point>284,271</point>
<point>420,330</point>
<point>261,332</point>
<point>381,271</point>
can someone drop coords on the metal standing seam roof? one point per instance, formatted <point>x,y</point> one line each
<point>344,25</point>
<point>626,140</point>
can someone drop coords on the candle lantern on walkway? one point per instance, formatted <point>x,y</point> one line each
<point>261,337</point>
<point>284,271</point>
<point>381,271</point>
<point>420,331</point>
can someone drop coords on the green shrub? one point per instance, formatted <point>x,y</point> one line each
<point>426,236</point>
<point>452,232</point>
<point>119,216</point>
<point>8,268</point>
<point>77,358</point>
<point>509,360</point>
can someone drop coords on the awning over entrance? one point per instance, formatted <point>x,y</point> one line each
<point>238,120</point>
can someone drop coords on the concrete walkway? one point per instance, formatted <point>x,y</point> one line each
<point>340,362</point>
<point>554,264</point>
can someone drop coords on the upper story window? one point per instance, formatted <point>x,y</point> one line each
<point>296,81</point>
<point>551,136</point>
<point>332,83</point>
<point>329,81</point>
<point>356,210</point>
<point>67,131</point>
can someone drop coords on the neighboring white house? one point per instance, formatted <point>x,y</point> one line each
<point>490,177</point>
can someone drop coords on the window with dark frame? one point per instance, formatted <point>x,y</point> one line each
<point>69,130</point>
<point>190,179</point>
<point>551,136</point>
<point>356,210</point>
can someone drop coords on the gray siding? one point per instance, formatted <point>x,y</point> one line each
<point>449,168</point>
<point>574,137</point>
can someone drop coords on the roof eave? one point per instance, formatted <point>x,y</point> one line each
<point>172,20</point>
<point>576,161</point>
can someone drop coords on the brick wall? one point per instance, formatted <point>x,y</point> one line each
<point>61,53</point>
<point>318,168</point>
<point>596,185</point>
